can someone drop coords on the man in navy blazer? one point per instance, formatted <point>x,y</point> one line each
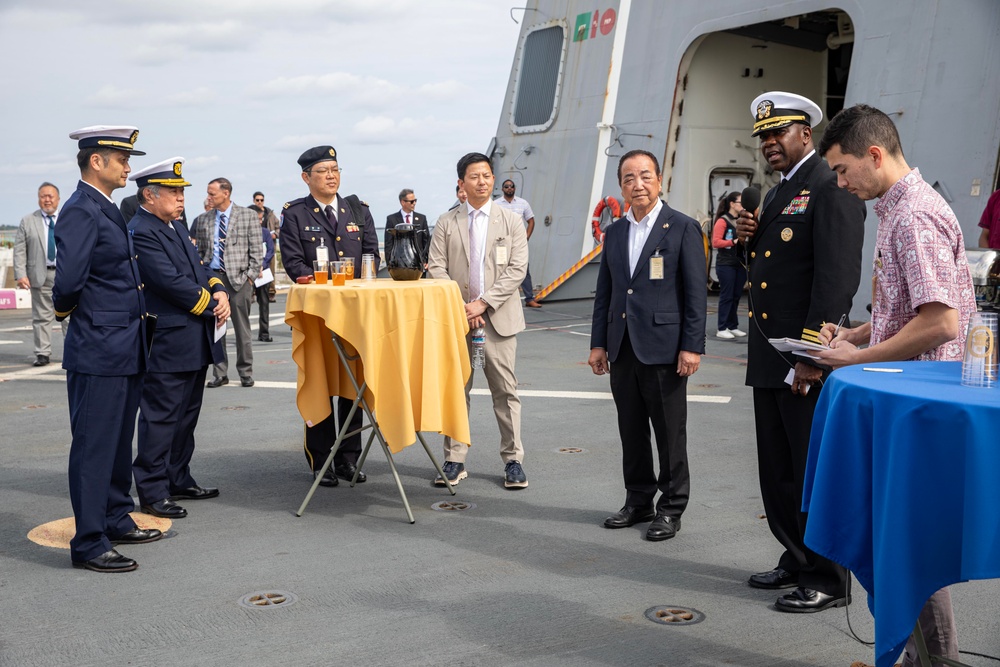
<point>189,302</point>
<point>649,322</point>
<point>97,280</point>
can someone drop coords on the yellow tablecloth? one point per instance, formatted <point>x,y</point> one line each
<point>411,339</point>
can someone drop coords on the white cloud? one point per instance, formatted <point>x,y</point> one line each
<point>297,142</point>
<point>382,129</point>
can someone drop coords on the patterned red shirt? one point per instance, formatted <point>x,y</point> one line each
<point>919,258</point>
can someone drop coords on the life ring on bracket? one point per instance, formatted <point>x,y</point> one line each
<point>617,211</point>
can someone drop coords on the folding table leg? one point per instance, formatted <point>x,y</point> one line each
<point>434,461</point>
<point>926,659</point>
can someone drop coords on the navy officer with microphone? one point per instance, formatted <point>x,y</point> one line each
<point>97,280</point>
<point>804,267</point>
<point>189,302</point>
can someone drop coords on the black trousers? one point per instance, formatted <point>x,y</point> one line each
<point>168,415</point>
<point>652,394</point>
<point>319,438</point>
<point>783,422</point>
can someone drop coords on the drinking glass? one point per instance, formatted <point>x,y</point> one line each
<point>321,271</point>
<point>348,268</point>
<point>979,367</point>
<point>337,272</point>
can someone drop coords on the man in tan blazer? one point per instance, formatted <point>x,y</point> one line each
<point>35,267</point>
<point>488,270</point>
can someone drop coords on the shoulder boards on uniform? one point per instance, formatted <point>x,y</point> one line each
<point>287,204</point>
<point>363,202</point>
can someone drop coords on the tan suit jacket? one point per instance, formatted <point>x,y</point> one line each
<point>449,259</point>
<point>504,267</point>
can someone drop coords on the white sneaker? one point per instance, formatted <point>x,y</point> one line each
<point>737,333</point>
<point>728,335</point>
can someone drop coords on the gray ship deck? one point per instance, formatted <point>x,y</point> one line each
<point>525,578</point>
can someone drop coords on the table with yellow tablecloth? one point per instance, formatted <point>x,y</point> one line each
<point>410,336</point>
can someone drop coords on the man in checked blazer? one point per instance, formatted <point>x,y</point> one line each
<point>229,243</point>
<point>35,267</point>
<point>498,262</point>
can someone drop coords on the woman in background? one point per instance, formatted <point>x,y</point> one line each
<point>730,265</point>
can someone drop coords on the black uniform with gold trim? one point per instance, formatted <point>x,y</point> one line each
<point>178,289</point>
<point>804,267</point>
<point>304,222</point>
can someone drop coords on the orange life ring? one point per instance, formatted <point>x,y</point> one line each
<point>616,212</point>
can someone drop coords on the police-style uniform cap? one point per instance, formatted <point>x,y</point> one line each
<point>317,155</point>
<point>774,110</point>
<point>167,173</point>
<point>120,137</point>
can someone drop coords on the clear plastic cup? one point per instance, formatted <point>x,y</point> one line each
<point>368,267</point>
<point>348,268</point>
<point>321,271</point>
<point>337,272</point>
<point>979,367</point>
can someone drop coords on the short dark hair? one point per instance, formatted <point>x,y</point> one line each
<point>404,192</point>
<point>46,184</point>
<point>856,128</point>
<point>637,153</point>
<point>508,181</point>
<point>258,194</point>
<point>470,159</point>
<point>458,188</point>
<point>83,157</point>
<point>224,184</point>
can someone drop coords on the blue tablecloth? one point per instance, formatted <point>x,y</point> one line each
<point>902,486</point>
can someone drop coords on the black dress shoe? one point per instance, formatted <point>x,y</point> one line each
<point>346,472</point>
<point>663,528</point>
<point>138,536</point>
<point>329,478</point>
<point>246,380</point>
<point>217,382</point>
<point>41,360</point>
<point>808,601</point>
<point>109,561</point>
<point>629,516</point>
<point>775,579</point>
<point>166,509</point>
<point>194,493</point>
<point>264,338</point>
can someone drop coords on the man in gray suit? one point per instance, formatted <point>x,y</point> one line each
<point>229,243</point>
<point>35,267</point>
<point>483,248</point>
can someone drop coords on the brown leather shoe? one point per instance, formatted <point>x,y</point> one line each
<point>532,304</point>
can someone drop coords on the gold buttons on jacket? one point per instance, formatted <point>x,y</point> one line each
<point>763,316</point>
<point>753,254</point>
<point>749,313</point>
<point>338,238</point>
<point>767,254</point>
<point>763,285</point>
<point>340,253</point>
<point>312,238</point>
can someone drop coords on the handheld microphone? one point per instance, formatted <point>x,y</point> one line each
<point>750,198</point>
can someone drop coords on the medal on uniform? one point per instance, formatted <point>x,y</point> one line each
<point>786,234</point>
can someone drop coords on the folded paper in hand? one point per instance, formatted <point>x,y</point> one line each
<point>797,346</point>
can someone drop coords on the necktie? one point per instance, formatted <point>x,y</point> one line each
<point>773,193</point>
<point>331,216</point>
<point>222,241</point>
<point>407,218</point>
<point>52,238</point>
<point>476,257</point>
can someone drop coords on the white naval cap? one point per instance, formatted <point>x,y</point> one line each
<point>119,137</point>
<point>167,173</point>
<point>777,109</point>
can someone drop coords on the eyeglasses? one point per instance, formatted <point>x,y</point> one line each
<point>326,170</point>
<point>508,187</point>
<point>408,201</point>
<point>259,200</point>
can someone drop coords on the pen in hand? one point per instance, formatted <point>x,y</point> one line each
<point>836,331</point>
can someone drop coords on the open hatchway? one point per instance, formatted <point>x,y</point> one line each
<point>709,151</point>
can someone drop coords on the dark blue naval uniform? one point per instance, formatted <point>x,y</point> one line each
<point>97,280</point>
<point>179,292</point>
<point>304,222</point>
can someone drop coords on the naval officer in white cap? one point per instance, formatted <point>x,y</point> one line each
<point>97,280</point>
<point>189,302</point>
<point>804,266</point>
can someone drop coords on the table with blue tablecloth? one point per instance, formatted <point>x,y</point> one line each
<point>901,486</point>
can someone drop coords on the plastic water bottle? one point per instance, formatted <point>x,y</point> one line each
<point>478,347</point>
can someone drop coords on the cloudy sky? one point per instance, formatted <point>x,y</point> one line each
<point>401,88</point>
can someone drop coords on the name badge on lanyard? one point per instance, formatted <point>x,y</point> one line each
<point>656,266</point>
